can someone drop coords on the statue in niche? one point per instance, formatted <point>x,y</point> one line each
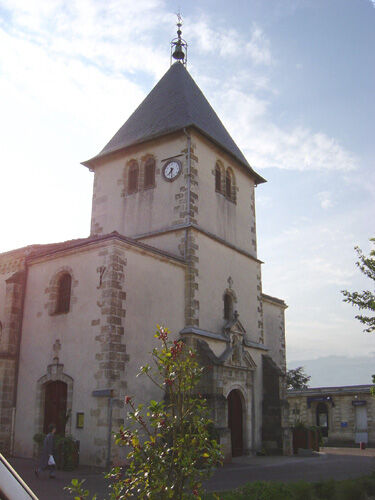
<point>236,350</point>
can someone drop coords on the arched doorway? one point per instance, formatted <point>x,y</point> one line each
<point>322,418</point>
<point>235,422</point>
<point>55,407</point>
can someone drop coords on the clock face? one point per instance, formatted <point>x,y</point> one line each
<point>171,170</point>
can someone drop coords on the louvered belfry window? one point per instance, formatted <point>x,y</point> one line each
<point>217,178</point>
<point>228,185</point>
<point>63,293</point>
<point>149,179</point>
<point>133,176</point>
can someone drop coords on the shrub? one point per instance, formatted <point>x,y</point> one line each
<point>325,490</point>
<point>350,489</point>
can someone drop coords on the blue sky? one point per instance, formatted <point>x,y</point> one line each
<point>291,80</point>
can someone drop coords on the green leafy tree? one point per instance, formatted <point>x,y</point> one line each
<point>297,378</point>
<point>365,300</point>
<point>171,445</point>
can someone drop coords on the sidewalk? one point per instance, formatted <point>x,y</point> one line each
<point>336,463</point>
<point>368,452</point>
<point>53,489</point>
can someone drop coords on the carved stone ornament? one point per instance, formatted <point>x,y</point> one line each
<point>236,354</point>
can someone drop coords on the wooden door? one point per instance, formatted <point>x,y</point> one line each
<point>55,406</point>
<point>235,422</point>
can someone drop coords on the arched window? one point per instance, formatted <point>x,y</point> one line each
<point>149,178</point>
<point>63,293</point>
<point>217,178</point>
<point>228,306</point>
<point>133,176</point>
<point>228,185</point>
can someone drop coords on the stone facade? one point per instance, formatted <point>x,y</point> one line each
<point>172,254</point>
<point>345,414</point>
<point>12,295</point>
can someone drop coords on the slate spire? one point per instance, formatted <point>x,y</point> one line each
<point>176,102</point>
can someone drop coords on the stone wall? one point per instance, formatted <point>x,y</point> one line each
<point>120,293</point>
<point>11,323</point>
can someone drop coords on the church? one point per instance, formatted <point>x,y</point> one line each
<point>173,242</point>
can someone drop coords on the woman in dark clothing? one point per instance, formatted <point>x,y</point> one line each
<point>48,450</point>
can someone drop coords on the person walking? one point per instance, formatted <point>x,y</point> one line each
<point>47,460</point>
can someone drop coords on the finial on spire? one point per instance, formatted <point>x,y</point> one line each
<point>178,44</point>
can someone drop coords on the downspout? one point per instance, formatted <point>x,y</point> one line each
<point>17,359</point>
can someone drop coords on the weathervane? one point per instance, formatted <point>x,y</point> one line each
<point>179,45</point>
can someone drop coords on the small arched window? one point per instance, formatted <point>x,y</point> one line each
<point>133,176</point>
<point>228,306</point>
<point>217,178</point>
<point>149,178</point>
<point>64,287</point>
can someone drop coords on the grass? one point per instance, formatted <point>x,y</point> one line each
<point>362,488</point>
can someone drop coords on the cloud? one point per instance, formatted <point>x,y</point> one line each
<point>259,47</point>
<point>229,42</point>
<point>267,145</point>
<point>325,200</point>
<point>337,370</point>
<point>115,38</point>
<point>322,270</point>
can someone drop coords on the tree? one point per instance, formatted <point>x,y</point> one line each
<point>297,378</point>
<point>365,300</point>
<point>171,445</point>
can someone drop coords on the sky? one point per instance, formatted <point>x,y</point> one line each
<point>293,82</point>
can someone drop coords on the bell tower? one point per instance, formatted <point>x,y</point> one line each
<point>172,177</point>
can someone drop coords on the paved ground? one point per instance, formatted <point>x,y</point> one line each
<point>337,463</point>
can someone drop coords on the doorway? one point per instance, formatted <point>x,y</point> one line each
<point>55,407</point>
<point>361,434</point>
<point>235,422</point>
<point>322,418</point>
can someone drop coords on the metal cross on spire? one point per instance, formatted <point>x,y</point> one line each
<point>179,45</point>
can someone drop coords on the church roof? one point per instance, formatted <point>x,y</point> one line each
<point>176,102</point>
<point>36,251</point>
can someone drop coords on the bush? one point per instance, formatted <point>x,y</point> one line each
<point>325,490</point>
<point>66,450</point>
<point>302,491</point>
<point>349,489</point>
<point>368,484</point>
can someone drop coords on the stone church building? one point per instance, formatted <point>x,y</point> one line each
<point>173,241</point>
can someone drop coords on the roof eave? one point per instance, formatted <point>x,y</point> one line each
<point>92,162</point>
